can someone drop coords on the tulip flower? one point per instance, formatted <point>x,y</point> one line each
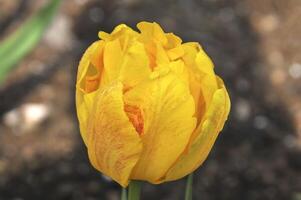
<point>150,107</point>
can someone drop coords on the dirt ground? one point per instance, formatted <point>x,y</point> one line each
<point>255,45</point>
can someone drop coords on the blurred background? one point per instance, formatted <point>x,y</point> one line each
<point>256,48</point>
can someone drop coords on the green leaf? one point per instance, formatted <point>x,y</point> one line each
<point>22,41</point>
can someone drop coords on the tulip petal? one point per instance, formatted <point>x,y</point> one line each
<point>208,85</point>
<point>120,31</point>
<point>161,55</point>
<point>168,110</point>
<point>208,79</point>
<point>135,67</point>
<point>90,64</point>
<point>180,70</point>
<point>114,145</point>
<point>208,131</point>
<point>87,67</point>
<point>173,41</point>
<point>113,57</point>
<point>175,53</point>
<point>129,67</point>
<point>84,103</point>
<point>150,31</point>
<point>203,82</point>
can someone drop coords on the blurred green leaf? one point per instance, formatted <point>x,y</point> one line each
<point>22,41</point>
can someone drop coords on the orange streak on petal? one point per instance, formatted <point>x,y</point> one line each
<point>135,116</point>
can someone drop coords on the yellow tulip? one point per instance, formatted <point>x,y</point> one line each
<point>149,106</point>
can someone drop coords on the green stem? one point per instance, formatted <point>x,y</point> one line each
<point>123,194</point>
<point>189,182</point>
<point>134,190</point>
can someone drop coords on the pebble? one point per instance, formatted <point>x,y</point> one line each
<point>295,70</point>
<point>26,117</point>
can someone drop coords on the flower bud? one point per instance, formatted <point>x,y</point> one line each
<point>149,106</point>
